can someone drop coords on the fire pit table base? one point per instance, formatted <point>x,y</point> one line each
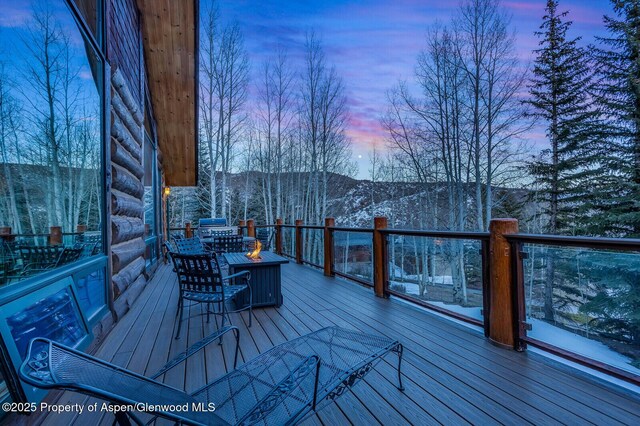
<point>266,278</point>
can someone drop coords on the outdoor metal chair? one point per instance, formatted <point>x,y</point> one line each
<point>37,259</point>
<point>190,246</point>
<point>280,386</point>
<point>264,235</point>
<point>71,254</point>
<point>201,281</point>
<point>9,266</point>
<point>228,244</point>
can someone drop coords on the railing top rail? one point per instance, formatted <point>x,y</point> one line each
<point>460,235</point>
<point>626,244</point>
<point>348,229</point>
<point>311,226</point>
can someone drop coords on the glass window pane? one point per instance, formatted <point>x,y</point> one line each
<point>54,317</point>
<point>50,141</point>
<point>90,11</point>
<point>149,193</point>
<point>91,292</point>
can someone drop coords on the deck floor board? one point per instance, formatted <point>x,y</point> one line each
<point>452,374</point>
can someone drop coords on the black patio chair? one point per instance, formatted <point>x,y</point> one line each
<point>265,236</point>
<point>201,281</point>
<point>37,259</point>
<point>279,387</point>
<point>228,244</point>
<point>9,265</point>
<point>71,254</point>
<point>190,246</point>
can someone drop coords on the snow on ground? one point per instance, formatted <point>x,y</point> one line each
<point>545,332</point>
<point>581,345</point>
<point>414,290</point>
<point>436,279</point>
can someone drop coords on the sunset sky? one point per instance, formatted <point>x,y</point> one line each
<point>373,43</point>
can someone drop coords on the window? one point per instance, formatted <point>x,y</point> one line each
<point>51,176</point>
<point>92,14</point>
<point>50,143</point>
<point>91,291</point>
<point>149,188</point>
<point>151,200</point>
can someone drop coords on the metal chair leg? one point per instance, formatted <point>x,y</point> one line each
<point>250,304</point>
<point>181,309</point>
<point>399,350</point>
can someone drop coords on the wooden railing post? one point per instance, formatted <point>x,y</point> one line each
<point>81,229</point>
<point>298,241</point>
<point>55,235</point>
<point>501,301</point>
<point>278,236</point>
<point>328,246</point>
<point>251,228</point>
<point>188,232</point>
<point>241,224</point>
<point>380,257</point>
<point>5,233</point>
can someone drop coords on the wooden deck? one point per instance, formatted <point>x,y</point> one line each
<point>452,374</point>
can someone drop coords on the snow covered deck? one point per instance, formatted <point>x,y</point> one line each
<point>453,375</point>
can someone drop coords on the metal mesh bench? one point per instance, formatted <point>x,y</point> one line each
<point>280,386</point>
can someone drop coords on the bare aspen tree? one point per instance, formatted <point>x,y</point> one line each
<point>211,89</point>
<point>8,118</point>
<point>223,93</point>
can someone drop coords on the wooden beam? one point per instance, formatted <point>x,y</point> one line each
<point>55,235</point>
<point>328,246</point>
<point>380,262</point>
<point>298,240</point>
<point>501,308</point>
<point>170,38</point>
<point>279,236</point>
<point>251,228</point>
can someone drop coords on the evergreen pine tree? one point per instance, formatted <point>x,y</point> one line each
<point>560,99</point>
<point>617,208</point>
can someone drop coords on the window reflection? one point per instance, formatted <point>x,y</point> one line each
<point>50,142</point>
<point>53,317</point>
<point>149,192</point>
<point>91,292</point>
<point>90,11</point>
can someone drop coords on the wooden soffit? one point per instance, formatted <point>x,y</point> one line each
<point>170,34</point>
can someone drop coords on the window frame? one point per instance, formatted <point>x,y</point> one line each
<point>30,287</point>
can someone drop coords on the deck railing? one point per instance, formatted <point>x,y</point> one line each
<point>591,274</point>
<point>495,280</point>
<point>495,284</point>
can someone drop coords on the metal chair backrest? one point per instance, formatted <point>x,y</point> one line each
<point>228,244</point>
<point>198,273</point>
<point>70,254</point>
<point>190,246</point>
<point>36,257</point>
<point>264,235</point>
<point>51,365</point>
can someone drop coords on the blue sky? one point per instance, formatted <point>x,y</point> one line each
<point>373,43</point>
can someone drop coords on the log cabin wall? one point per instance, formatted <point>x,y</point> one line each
<point>124,44</point>
<point>126,144</point>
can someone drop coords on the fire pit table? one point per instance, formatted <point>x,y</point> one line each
<point>265,277</point>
